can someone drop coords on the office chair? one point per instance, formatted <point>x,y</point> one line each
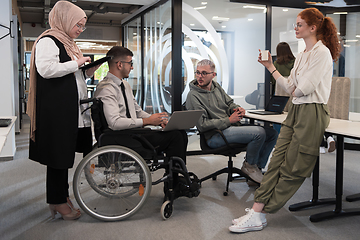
<point>257,97</point>
<point>229,150</point>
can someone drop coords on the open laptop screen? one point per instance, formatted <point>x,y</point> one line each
<point>277,104</point>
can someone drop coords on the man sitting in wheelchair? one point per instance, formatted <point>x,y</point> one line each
<point>122,112</point>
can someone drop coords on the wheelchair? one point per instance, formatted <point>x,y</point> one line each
<point>113,182</point>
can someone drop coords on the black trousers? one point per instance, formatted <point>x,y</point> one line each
<point>57,186</point>
<point>173,143</point>
<point>84,141</point>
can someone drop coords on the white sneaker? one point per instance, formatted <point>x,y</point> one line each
<point>252,171</point>
<point>322,150</point>
<point>262,216</point>
<point>250,222</point>
<point>331,144</point>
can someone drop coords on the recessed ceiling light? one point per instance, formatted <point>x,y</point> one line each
<point>192,24</point>
<point>350,40</point>
<point>358,36</point>
<point>223,26</point>
<point>340,13</point>
<point>199,8</point>
<point>217,18</point>
<point>203,3</point>
<point>254,7</point>
<point>285,10</point>
<point>86,43</point>
<point>250,19</point>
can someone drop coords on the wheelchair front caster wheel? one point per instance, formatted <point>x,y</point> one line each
<point>166,210</point>
<point>225,193</point>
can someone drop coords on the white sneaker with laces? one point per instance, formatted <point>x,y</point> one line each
<point>262,216</point>
<point>250,222</point>
<point>322,150</point>
<point>331,144</point>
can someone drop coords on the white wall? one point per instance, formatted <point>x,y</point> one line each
<point>7,76</point>
<point>16,66</point>
<point>249,38</point>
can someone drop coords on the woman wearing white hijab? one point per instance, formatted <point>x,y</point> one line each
<point>56,85</point>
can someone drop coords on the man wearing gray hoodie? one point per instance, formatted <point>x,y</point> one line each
<point>220,112</point>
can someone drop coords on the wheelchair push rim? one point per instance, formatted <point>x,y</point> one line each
<point>112,183</point>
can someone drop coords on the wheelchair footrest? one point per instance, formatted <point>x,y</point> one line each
<point>182,188</point>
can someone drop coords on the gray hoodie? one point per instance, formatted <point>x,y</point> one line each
<point>216,104</point>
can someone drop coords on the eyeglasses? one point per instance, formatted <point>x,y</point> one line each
<point>203,74</point>
<point>80,27</point>
<point>131,62</point>
<point>297,26</point>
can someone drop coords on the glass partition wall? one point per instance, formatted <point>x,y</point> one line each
<point>227,33</point>
<point>282,30</point>
<point>351,58</point>
<point>348,24</point>
<point>149,37</point>
<point>230,33</point>
<point>157,59</point>
<point>132,36</point>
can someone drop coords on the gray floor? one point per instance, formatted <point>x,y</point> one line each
<point>25,215</point>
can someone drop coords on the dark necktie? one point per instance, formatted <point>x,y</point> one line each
<point>125,100</point>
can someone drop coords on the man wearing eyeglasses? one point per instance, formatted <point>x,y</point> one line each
<point>122,111</point>
<point>220,112</point>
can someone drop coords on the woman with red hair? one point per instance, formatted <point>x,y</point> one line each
<point>297,147</point>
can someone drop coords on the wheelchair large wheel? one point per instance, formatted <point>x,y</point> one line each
<point>112,183</point>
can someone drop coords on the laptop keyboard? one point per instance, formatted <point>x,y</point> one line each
<point>4,122</point>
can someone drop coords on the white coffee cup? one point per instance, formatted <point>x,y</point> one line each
<point>264,55</point>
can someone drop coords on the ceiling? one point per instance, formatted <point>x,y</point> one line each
<point>99,13</point>
<point>112,12</point>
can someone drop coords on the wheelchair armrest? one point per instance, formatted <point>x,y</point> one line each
<point>87,100</point>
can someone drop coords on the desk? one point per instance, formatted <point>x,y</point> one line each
<point>340,128</point>
<point>4,131</point>
<point>354,117</point>
<point>2,142</point>
<point>277,118</point>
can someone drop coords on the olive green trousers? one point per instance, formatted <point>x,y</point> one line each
<point>295,154</point>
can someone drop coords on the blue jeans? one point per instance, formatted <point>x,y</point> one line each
<point>260,141</point>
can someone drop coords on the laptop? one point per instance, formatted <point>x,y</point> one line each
<point>276,105</point>
<point>181,120</point>
<point>4,122</point>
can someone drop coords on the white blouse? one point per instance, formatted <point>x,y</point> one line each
<point>48,65</point>
<point>311,76</point>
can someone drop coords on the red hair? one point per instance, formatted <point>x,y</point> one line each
<point>326,30</point>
